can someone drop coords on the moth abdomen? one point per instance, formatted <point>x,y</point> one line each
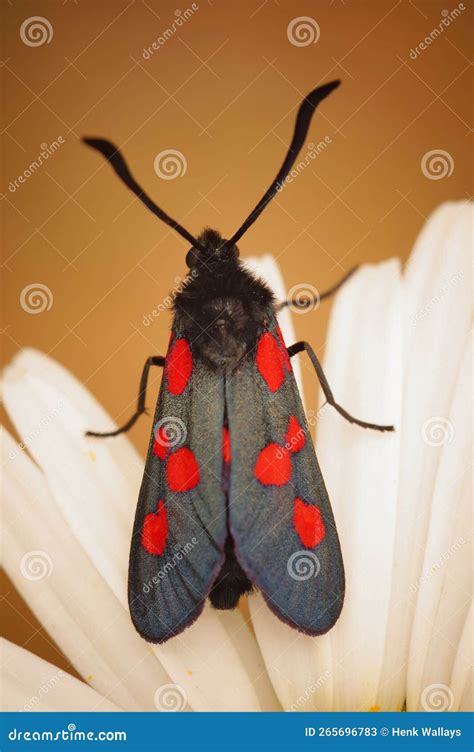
<point>231,582</point>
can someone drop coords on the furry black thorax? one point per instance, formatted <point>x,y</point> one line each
<point>222,306</point>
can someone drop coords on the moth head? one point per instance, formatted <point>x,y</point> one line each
<point>211,250</point>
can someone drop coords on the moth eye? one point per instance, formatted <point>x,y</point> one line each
<point>192,258</point>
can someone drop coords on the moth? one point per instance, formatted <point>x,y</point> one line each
<point>232,497</point>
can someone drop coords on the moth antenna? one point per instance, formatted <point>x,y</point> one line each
<point>303,120</point>
<point>113,155</point>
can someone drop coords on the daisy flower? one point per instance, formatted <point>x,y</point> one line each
<point>398,351</point>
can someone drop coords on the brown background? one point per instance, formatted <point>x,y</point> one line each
<point>223,91</point>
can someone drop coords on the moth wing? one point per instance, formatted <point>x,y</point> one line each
<point>280,514</point>
<point>180,525</point>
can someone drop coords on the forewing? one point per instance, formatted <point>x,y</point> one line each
<point>180,525</point>
<point>280,515</point>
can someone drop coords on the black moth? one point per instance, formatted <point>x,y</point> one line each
<point>232,496</point>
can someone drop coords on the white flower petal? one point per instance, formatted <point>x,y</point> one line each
<point>95,483</point>
<point>267,268</point>
<point>207,651</point>
<point>437,316</point>
<point>214,669</point>
<point>363,365</point>
<point>300,667</point>
<point>241,636</point>
<point>31,684</point>
<point>58,581</point>
<point>445,585</point>
<point>462,680</point>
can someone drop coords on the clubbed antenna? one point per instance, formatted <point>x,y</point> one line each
<point>303,120</point>
<point>113,155</point>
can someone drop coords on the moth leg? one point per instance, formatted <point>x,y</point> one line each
<point>153,360</point>
<point>299,347</point>
<point>321,296</point>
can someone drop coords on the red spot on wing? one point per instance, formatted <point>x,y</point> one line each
<point>155,530</point>
<point>286,357</point>
<point>182,470</point>
<point>270,361</point>
<point>273,466</point>
<point>161,445</point>
<point>308,523</point>
<point>226,445</point>
<point>294,437</point>
<point>179,365</point>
